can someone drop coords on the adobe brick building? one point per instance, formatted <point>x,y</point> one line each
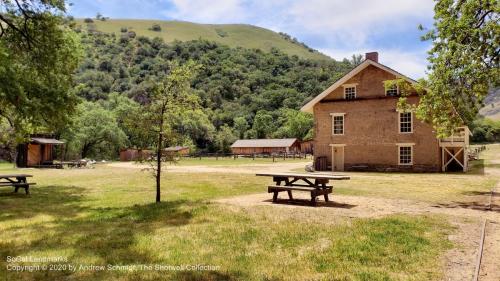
<point>358,127</point>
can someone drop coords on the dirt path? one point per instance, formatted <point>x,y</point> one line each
<point>490,264</point>
<point>239,169</point>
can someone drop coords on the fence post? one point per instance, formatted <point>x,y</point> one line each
<point>253,156</point>
<point>273,157</point>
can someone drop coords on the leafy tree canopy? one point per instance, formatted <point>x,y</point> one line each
<point>464,62</point>
<point>38,55</point>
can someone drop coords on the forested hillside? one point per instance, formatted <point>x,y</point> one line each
<point>244,93</point>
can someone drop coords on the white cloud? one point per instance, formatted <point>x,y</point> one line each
<point>216,11</point>
<point>338,28</point>
<point>357,20</point>
<point>410,63</point>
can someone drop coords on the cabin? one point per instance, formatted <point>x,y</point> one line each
<point>130,154</point>
<point>178,150</point>
<point>39,152</point>
<point>357,126</point>
<point>265,146</point>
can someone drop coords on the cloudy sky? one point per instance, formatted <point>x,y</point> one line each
<point>338,28</point>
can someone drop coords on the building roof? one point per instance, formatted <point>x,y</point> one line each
<point>308,107</point>
<point>264,143</point>
<point>46,141</point>
<point>176,148</point>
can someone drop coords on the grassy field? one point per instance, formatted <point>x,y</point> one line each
<point>234,35</point>
<point>105,216</point>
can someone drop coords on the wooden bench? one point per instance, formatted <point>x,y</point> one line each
<point>17,181</point>
<point>315,184</point>
<point>315,192</point>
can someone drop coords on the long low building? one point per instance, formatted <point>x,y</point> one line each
<point>265,146</point>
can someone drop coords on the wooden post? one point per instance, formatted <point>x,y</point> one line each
<point>273,157</point>
<point>253,156</point>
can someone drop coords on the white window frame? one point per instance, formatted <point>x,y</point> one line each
<point>333,123</point>
<point>397,89</point>
<point>410,145</point>
<point>345,86</point>
<point>411,122</point>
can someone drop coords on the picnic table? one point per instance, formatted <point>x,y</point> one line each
<point>316,184</point>
<point>17,181</point>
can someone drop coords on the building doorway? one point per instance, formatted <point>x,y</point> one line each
<point>337,157</point>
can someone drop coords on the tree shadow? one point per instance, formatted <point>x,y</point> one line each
<point>80,232</point>
<point>307,203</point>
<point>48,200</point>
<point>473,205</point>
<point>209,276</point>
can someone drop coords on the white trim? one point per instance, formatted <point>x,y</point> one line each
<point>411,155</point>
<point>350,86</point>
<point>333,115</point>
<point>337,144</point>
<point>399,122</point>
<point>308,107</point>
<point>405,144</point>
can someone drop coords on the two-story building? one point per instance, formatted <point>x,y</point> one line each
<point>358,126</point>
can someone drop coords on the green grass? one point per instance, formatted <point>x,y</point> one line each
<point>236,35</point>
<point>106,216</point>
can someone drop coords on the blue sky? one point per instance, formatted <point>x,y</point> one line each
<point>338,28</point>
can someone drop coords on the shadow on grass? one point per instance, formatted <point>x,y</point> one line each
<point>473,205</point>
<point>306,202</point>
<point>477,167</point>
<point>82,233</point>
<point>208,276</point>
<point>49,200</point>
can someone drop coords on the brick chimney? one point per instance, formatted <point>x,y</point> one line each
<point>372,56</point>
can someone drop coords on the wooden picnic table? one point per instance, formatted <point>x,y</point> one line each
<point>17,181</point>
<point>316,184</point>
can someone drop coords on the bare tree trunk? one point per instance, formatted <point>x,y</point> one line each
<point>158,159</point>
<point>158,166</point>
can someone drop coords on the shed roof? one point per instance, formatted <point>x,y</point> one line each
<point>264,143</point>
<point>46,141</point>
<point>176,148</point>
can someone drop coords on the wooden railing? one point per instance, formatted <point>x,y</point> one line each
<point>461,137</point>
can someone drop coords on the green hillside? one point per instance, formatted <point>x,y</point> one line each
<point>491,107</point>
<point>233,35</point>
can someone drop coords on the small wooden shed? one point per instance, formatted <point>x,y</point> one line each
<point>130,154</point>
<point>39,152</point>
<point>265,146</point>
<point>180,150</point>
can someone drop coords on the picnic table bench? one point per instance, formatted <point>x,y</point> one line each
<point>316,184</point>
<point>17,181</point>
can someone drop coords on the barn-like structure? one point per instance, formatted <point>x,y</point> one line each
<point>265,146</point>
<point>39,152</point>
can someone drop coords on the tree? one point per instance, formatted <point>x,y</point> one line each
<point>170,98</point>
<point>263,124</point>
<point>224,138</point>
<point>296,124</point>
<point>240,126</point>
<point>38,56</point>
<point>94,132</point>
<point>464,62</point>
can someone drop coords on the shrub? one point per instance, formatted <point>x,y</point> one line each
<point>156,27</point>
<point>88,20</point>
<point>221,32</point>
<point>131,34</point>
<point>123,29</point>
